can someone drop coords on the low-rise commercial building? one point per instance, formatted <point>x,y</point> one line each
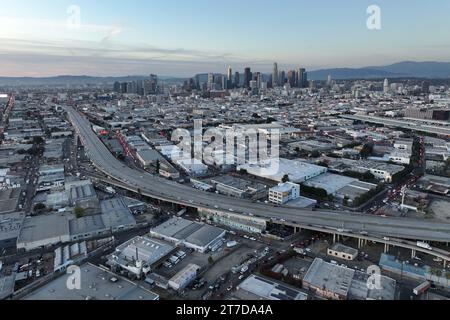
<point>139,256</point>
<point>45,231</point>
<point>181,232</point>
<point>336,282</point>
<point>297,171</point>
<point>245,223</point>
<point>261,288</point>
<point>343,252</point>
<point>284,193</point>
<point>96,284</point>
<point>183,278</point>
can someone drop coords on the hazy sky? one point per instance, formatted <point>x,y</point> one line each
<point>184,37</point>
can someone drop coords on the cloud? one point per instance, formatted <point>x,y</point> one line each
<point>30,28</point>
<point>23,57</point>
<point>116,53</point>
<point>113,32</point>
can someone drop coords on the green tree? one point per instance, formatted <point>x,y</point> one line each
<point>38,140</point>
<point>315,154</point>
<point>39,207</point>
<point>285,178</point>
<point>210,260</point>
<point>367,150</point>
<point>243,171</point>
<point>79,212</point>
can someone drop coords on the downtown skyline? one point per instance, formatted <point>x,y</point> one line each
<point>182,39</point>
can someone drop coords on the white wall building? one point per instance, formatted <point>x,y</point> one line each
<point>297,171</point>
<point>284,193</point>
<point>183,278</point>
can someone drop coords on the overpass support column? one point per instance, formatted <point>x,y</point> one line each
<point>445,264</point>
<point>386,248</point>
<point>413,254</point>
<point>334,238</point>
<point>359,243</point>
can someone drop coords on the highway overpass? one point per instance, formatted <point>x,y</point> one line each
<point>434,128</point>
<point>334,222</point>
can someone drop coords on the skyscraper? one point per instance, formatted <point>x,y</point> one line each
<point>225,83</point>
<point>386,86</point>
<point>258,79</point>
<point>275,80</point>
<point>302,78</point>
<point>247,77</point>
<point>210,81</point>
<point>237,79</point>
<point>281,78</point>
<point>229,78</point>
<point>292,78</point>
<point>117,87</point>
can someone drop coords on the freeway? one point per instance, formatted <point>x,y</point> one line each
<point>442,130</point>
<point>162,189</point>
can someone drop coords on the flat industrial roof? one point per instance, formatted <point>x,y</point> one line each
<point>86,225</point>
<point>331,277</point>
<point>330,182</point>
<point>44,227</point>
<point>189,231</point>
<point>298,171</point>
<point>339,247</point>
<point>10,225</point>
<point>115,213</point>
<point>267,289</point>
<point>7,286</point>
<point>148,249</point>
<point>96,284</point>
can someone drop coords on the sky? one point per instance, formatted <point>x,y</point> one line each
<point>185,37</point>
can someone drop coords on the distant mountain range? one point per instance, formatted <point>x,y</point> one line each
<point>407,69</point>
<point>73,80</point>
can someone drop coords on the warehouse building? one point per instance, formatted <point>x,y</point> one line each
<point>10,225</point>
<point>7,286</point>
<point>343,252</point>
<point>237,187</point>
<point>149,157</point>
<point>261,288</point>
<point>181,232</point>
<point>336,282</point>
<point>139,256</point>
<point>96,284</point>
<point>297,171</point>
<point>341,187</point>
<point>44,231</point>
<point>245,223</point>
<point>9,200</point>
<point>116,215</point>
<point>185,277</point>
<point>84,196</point>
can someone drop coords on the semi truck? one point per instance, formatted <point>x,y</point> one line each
<point>422,288</point>
<point>424,245</point>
